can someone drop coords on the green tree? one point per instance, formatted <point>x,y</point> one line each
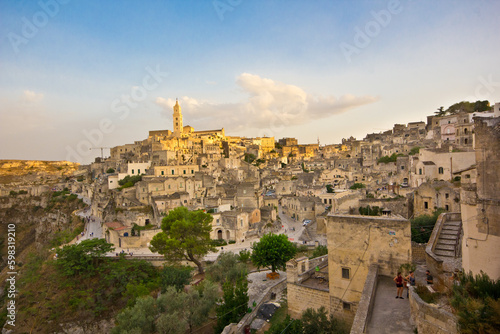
<point>83,257</point>
<point>129,181</point>
<point>414,150</point>
<point>110,170</point>
<point>287,326</point>
<point>357,186</point>
<point>318,321</point>
<point>234,303</point>
<point>227,268</point>
<point>440,111</point>
<point>319,251</point>
<point>249,157</point>
<point>185,236</point>
<point>273,251</point>
<point>199,302</point>
<point>177,277</point>
<point>329,189</point>
<point>173,312</point>
<point>422,226</point>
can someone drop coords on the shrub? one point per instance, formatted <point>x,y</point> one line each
<point>129,181</point>
<point>177,277</point>
<point>218,242</point>
<point>393,158</point>
<point>319,251</point>
<point>368,211</point>
<point>110,170</point>
<point>422,226</point>
<point>414,150</point>
<point>476,300</point>
<point>357,186</point>
<point>425,294</point>
<point>244,256</point>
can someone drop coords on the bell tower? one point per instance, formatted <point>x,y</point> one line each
<point>177,118</point>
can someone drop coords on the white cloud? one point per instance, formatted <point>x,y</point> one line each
<point>271,105</point>
<point>31,96</point>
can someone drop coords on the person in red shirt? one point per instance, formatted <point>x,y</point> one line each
<point>399,285</point>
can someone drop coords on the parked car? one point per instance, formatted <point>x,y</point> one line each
<point>306,222</point>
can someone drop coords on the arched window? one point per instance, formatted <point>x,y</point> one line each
<point>441,170</point>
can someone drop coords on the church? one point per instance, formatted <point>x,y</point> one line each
<point>180,131</point>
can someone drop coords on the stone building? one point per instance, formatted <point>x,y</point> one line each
<point>481,204</point>
<point>430,196</point>
<point>356,242</point>
<point>336,281</point>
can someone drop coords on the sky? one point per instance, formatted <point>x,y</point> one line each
<point>79,75</point>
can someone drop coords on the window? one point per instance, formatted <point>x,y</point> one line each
<point>467,176</point>
<point>402,167</point>
<point>345,273</point>
<point>346,306</point>
<point>192,171</point>
<point>180,185</point>
<point>420,171</point>
<point>446,195</point>
<point>241,222</point>
<point>162,172</point>
<point>426,205</point>
<point>465,131</point>
<point>132,171</point>
<point>173,172</point>
<point>441,170</point>
<point>466,141</point>
<point>446,207</point>
<point>138,171</point>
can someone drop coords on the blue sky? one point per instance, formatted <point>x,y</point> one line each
<point>275,68</point>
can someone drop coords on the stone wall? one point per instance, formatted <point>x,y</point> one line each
<point>429,318</point>
<point>397,206</point>
<point>365,305</point>
<point>418,252</point>
<point>302,297</point>
<point>356,242</point>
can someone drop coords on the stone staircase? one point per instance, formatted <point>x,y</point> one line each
<point>448,239</point>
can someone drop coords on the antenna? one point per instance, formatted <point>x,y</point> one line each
<point>101,148</point>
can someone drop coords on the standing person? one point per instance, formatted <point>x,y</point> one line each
<point>411,282</point>
<point>399,285</point>
<point>429,279</point>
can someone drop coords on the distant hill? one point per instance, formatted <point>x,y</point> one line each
<point>464,106</point>
<point>32,170</point>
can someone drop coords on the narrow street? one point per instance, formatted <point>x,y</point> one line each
<point>93,225</point>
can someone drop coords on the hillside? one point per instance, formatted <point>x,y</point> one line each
<point>34,171</point>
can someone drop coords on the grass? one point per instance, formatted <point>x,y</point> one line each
<point>426,295</point>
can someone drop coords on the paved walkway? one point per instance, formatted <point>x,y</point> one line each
<point>389,315</point>
<point>93,224</point>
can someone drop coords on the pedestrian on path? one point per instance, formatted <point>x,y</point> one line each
<point>429,279</point>
<point>410,279</point>
<point>399,285</point>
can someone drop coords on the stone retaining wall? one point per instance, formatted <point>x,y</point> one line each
<point>418,252</point>
<point>365,305</point>
<point>429,318</point>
